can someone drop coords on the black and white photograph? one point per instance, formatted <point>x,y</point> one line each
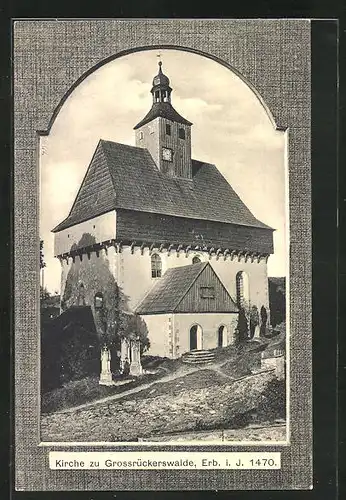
<point>168,307</point>
<point>163,295</point>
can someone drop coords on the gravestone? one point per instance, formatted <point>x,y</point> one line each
<point>106,374</point>
<point>135,366</point>
<point>125,353</point>
<point>257,332</point>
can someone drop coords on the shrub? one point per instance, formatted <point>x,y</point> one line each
<point>273,403</point>
<point>241,333</point>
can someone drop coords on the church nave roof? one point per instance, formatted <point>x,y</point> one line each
<point>126,177</point>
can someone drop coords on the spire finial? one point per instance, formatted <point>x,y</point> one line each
<point>160,62</point>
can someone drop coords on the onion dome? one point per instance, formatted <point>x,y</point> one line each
<point>160,78</point>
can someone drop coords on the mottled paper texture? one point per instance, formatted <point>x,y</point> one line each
<point>50,59</point>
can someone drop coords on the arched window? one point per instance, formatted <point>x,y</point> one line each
<point>222,336</point>
<point>181,133</point>
<point>98,300</point>
<point>196,260</point>
<point>196,340</point>
<point>242,284</point>
<point>156,266</point>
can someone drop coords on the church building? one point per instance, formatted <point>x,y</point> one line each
<point>169,230</point>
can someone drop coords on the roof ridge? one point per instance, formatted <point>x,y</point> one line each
<point>108,141</point>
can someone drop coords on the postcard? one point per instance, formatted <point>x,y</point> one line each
<point>163,254</point>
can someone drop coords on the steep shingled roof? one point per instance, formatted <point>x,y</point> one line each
<point>164,110</point>
<point>126,177</point>
<point>168,292</point>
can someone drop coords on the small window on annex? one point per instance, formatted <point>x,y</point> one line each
<point>207,292</point>
<point>98,300</point>
<point>156,266</point>
<point>140,135</point>
<point>181,133</point>
<point>168,129</point>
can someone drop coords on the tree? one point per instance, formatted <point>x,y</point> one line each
<point>254,320</point>
<point>49,304</point>
<point>135,328</point>
<point>264,318</point>
<point>277,300</point>
<point>42,262</point>
<point>242,326</point>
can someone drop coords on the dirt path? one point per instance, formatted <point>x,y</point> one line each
<point>113,397</point>
<point>215,366</point>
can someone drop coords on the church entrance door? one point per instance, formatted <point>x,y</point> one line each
<point>195,337</point>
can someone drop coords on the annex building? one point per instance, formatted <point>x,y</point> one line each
<point>170,231</point>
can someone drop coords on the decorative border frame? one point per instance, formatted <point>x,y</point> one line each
<point>51,57</point>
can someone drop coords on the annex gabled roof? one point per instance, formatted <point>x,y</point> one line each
<point>126,177</point>
<point>169,291</point>
<point>163,110</point>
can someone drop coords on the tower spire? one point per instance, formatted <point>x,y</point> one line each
<point>161,90</point>
<point>164,132</point>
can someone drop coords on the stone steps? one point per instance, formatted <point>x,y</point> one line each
<point>196,357</point>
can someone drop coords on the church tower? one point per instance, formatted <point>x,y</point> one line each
<point>165,133</point>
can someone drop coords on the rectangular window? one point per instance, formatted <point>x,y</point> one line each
<point>181,133</point>
<point>156,273</point>
<point>207,292</point>
<point>168,129</point>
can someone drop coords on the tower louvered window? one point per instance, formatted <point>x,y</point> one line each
<point>156,266</point>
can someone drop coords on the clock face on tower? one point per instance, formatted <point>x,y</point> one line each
<point>167,154</point>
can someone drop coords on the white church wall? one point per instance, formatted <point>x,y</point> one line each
<point>257,274</point>
<point>210,324</point>
<point>101,228</point>
<point>227,271</point>
<point>148,136</point>
<point>160,329</point>
<point>134,273</point>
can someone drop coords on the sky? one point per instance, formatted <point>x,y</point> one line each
<point>231,129</point>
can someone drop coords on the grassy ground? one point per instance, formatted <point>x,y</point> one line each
<point>231,361</point>
<point>268,431</point>
<point>204,400</point>
<point>77,392</point>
